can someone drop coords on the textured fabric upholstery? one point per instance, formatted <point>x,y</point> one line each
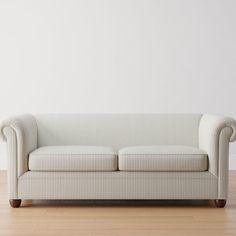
<point>117,130</point>
<point>118,185</point>
<point>73,158</point>
<point>210,128</point>
<point>210,133</point>
<point>12,177</point>
<point>25,129</point>
<point>20,132</point>
<point>215,133</point>
<point>223,164</point>
<point>162,158</point>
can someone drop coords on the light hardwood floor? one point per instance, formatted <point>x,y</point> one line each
<point>190,218</point>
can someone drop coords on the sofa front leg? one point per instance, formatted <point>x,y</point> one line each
<point>220,203</point>
<point>15,203</point>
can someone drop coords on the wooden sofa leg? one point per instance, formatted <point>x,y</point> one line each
<point>220,203</point>
<point>15,203</point>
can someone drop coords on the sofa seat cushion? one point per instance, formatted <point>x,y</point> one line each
<point>73,158</point>
<point>162,158</point>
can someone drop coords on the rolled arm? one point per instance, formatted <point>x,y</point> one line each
<point>22,129</point>
<point>213,124</point>
<point>210,129</point>
<point>215,133</point>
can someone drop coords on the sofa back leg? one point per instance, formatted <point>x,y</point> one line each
<point>15,203</point>
<point>220,203</point>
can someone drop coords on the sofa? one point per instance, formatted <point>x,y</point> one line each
<point>118,156</point>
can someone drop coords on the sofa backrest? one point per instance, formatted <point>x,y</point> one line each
<point>118,130</point>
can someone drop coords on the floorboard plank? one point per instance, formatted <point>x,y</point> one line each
<point>118,218</point>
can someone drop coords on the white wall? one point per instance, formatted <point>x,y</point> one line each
<point>117,56</point>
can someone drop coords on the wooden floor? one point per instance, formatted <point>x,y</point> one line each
<point>190,218</point>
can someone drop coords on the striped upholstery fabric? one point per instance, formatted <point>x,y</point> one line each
<point>117,185</point>
<point>12,163</point>
<point>73,158</point>
<point>208,132</point>
<point>162,158</point>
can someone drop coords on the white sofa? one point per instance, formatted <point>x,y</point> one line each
<point>118,156</point>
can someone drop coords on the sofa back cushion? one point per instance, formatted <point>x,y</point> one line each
<point>118,130</point>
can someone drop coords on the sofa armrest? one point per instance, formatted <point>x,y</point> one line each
<point>212,128</point>
<point>20,133</point>
<point>215,133</point>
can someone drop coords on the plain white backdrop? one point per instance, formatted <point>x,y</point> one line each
<point>103,56</point>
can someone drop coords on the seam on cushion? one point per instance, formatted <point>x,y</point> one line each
<point>163,171</point>
<point>112,170</point>
<point>32,154</point>
<point>162,154</point>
